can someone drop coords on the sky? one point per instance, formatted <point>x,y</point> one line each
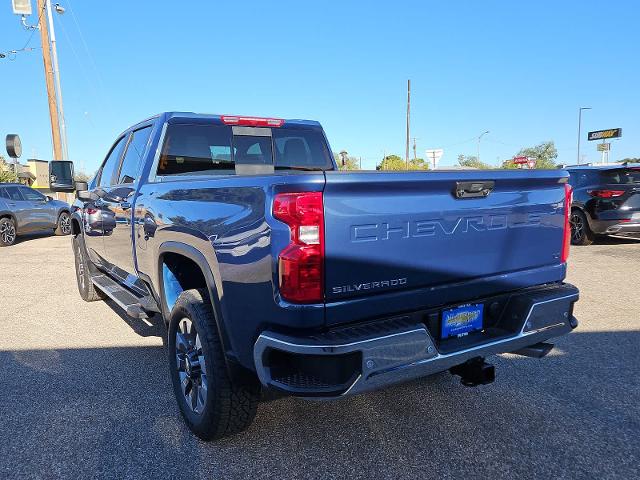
<point>518,69</point>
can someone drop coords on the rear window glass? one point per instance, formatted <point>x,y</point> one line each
<point>214,149</point>
<point>301,148</point>
<point>622,176</point>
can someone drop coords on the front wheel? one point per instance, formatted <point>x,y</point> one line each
<point>212,404</point>
<point>64,224</point>
<point>7,232</point>
<point>581,234</point>
<point>86,288</point>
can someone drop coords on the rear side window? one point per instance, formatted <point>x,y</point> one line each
<point>133,158</point>
<point>13,193</point>
<point>622,176</point>
<point>3,193</point>
<point>111,163</point>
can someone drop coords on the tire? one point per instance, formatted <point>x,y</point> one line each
<point>88,291</point>
<point>64,224</point>
<point>8,233</point>
<point>212,404</point>
<point>581,234</point>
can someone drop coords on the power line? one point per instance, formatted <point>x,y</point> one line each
<point>11,54</point>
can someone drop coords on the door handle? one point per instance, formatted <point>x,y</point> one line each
<point>125,205</point>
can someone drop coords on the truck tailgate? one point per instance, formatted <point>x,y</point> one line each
<point>392,231</point>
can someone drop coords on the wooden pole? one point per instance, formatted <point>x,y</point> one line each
<point>49,81</point>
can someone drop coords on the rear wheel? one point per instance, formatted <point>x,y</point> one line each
<point>213,404</point>
<point>581,234</point>
<point>7,232</point>
<point>88,291</point>
<point>64,224</point>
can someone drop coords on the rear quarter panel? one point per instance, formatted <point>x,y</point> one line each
<point>228,219</point>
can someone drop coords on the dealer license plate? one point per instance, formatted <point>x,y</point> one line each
<point>461,320</point>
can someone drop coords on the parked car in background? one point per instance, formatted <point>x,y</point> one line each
<point>606,201</point>
<point>25,210</point>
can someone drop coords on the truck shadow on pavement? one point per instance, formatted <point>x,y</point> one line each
<point>111,412</point>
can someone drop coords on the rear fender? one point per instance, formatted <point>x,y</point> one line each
<point>167,297</point>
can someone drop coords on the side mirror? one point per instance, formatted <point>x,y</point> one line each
<point>49,198</point>
<point>86,196</point>
<point>61,176</point>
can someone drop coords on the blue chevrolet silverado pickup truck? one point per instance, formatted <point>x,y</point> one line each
<point>274,272</point>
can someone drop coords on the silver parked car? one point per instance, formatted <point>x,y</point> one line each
<point>25,210</point>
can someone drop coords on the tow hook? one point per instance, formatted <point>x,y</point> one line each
<point>474,372</point>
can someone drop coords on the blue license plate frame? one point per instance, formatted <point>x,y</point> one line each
<point>462,320</point>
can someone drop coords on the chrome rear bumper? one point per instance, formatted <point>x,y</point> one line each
<point>400,349</point>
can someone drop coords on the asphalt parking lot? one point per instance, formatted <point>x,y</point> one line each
<point>84,392</point>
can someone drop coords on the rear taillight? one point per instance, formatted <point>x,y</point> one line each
<point>91,211</point>
<point>251,121</point>
<point>566,240</point>
<point>606,193</point>
<point>301,263</point>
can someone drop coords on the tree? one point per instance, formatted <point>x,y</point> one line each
<point>418,164</point>
<point>394,162</point>
<point>391,162</point>
<point>351,163</point>
<point>81,176</point>
<point>6,173</point>
<point>544,154</point>
<point>471,161</point>
<point>631,160</point>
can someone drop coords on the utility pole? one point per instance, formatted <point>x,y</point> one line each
<point>56,75</point>
<point>580,128</point>
<point>406,156</point>
<point>49,81</point>
<point>415,156</point>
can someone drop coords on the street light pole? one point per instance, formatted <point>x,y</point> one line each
<point>580,128</point>
<point>480,138</point>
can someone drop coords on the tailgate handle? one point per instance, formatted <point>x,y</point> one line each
<point>479,188</point>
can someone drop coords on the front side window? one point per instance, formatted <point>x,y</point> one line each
<point>111,163</point>
<point>133,158</point>
<point>31,195</point>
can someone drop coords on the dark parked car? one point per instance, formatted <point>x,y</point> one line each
<point>25,210</point>
<point>606,201</point>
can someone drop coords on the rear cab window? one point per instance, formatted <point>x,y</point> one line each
<point>190,149</point>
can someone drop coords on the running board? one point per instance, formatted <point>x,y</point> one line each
<point>121,296</point>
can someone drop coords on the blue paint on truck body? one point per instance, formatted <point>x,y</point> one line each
<point>394,242</point>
